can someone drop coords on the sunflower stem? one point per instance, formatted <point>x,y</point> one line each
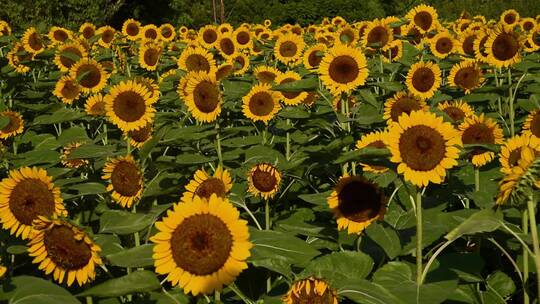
<point>525,228</point>
<point>476,179</point>
<point>288,146</point>
<point>510,103</point>
<point>89,300</point>
<point>267,226</point>
<point>218,145</point>
<point>105,136</point>
<point>534,234</point>
<point>217,296</point>
<point>418,237</point>
<point>239,293</point>
<point>128,146</point>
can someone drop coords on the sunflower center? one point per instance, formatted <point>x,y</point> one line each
<point>266,76</point>
<point>212,185</point>
<point>505,46</point>
<point>107,36</point>
<point>201,244</point>
<point>359,200</point>
<point>404,105</point>
<point>535,125</point>
<point>313,59</point>
<point>416,36</point>
<point>35,42</point>
<point>423,79</point>
<point>88,32</point>
<point>378,35</point>
<point>92,77</point>
<point>98,108</point>
<point>467,77</point>
<point>13,124</point>
<point>151,56</point>
<point>29,199</point>
<point>478,134</point>
<point>209,36</point>
<point>70,90</point>
<point>64,250</point>
<point>510,18</point>
<point>527,26</point>
<point>344,69</point>
<point>67,62</point>
<point>482,46</point>
<point>141,135</point>
<point>129,106</point>
<point>288,49</point>
<point>151,33</point>
<point>227,46</point>
<point>289,95</point>
<point>126,179</point>
<point>422,148</point>
<point>243,38</point>
<point>468,45</point>
<point>166,32</point>
<point>206,96</point>
<point>132,29</point>
<point>455,113</point>
<point>423,20</point>
<point>444,45</point>
<point>197,62</point>
<point>261,104</point>
<point>514,157</point>
<point>60,35</point>
<point>264,181</point>
<point>224,71</point>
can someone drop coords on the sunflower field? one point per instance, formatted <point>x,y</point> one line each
<point>394,160</point>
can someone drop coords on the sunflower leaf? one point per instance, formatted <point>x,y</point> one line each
<point>138,281</point>
<point>307,84</point>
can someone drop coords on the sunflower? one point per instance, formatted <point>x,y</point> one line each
<point>32,41</point>
<point>87,30</point>
<point>67,89</point>
<point>25,195</point>
<point>208,36</point>
<point>313,56</point>
<point>402,102</point>
<point>95,105</point>
<point>265,74</point>
<point>424,17</point>
<point>414,35</point>
<point>201,245</point>
<point>510,154</point>
<point>17,56</point>
<point>377,34</point>
<point>203,96</point>
<point>197,59</point>
<point>343,68</point>
<point>509,18</point>
<point>519,177</point>
<point>3,271</point>
<point>68,54</point>
<point>64,250</point>
<point>424,79</point>
<point>356,203</point>
<point>149,32</point>
<point>90,75</point>
<point>151,86</point>
<point>424,147</point>
<point>264,180</point>
<point>242,37</point>
<point>290,98</point>
<point>480,130</point>
<point>457,110</point>
<point>393,51</point>
<point>72,163</point>
<point>183,30</point>
<point>131,29</point>
<point>261,103</point>
<point>15,125</point>
<point>106,36</point>
<point>59,35</point>
<point>5,29</point>
<point>267,22</point>
<point>225,45</point>
<point>167,32</point>
<point>149,54</point>
<point>466,75</point>
<point>503,47</point>
<point>527,24</point>
<point>374,139</point>
<point>225,28</point>
<point>479,45</point>
<point>129,105</point>
<point>126,180</point>
<point>443,44</point>
<point>531,126</point>
<point>137,138</point>
<point>224,70</point>
<point>466,42</point>
<point>288,49</point>
<point>310,290</point>
<point>347,35</point>
<point>240,62</point>
<point>203,185</point>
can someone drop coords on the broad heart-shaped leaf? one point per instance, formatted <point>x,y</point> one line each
<point>73,134</point>
<point>482,221</point>
<point>134,257</point>
<point>308,84</point>
<point>318,199</point>
<point>32,290</point>
<point>61,115</point>
<point>366,292</point>
<point>192,159</point>
<point>339,268</point>
<point>500,285</point>
<point>88,188</point>
<point>386,237</point>
<point>123,222</point>
<point>363,154</point>
<point>138,281</point>
<point>36,157</point>
<point>91,151</point>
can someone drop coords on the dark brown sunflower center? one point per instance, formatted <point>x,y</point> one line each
<point>70,90</point>
<point>528,25</point>
<point>88,32</point>
<point>98,108</point>
<point>510,18</point>
<point>288,49</point>
<point>141,135</point>
<point>343,69</point>
<point>151,56</point>
<point>92,77</point>
<point>261,104</point>
<point>535,125</point>
<point>289,95</point>
<point>404,105</point>
<point>422,148</point>
<point>166,32</point>
<point>107,36</point>
<point>201,244</point>
<point>239,62</point>
<point>467,77</point>
<point>67,62</point>
<point>514,157</point>
<point>423,20</point>
<point>13,124</point>
<point>266,76</point>
<point>505,46</point>
<point>60,35</point>
<point>468,45</point>
<point>34,41</point>
<point>209,36</point>
<point>478,133</point>
<point>313,59</point>
<point>482,46</point>
<point>311,296</point>
<point>64,250</point>
<point>132,29</point>
<point>243,38</point>
<point>129,106</point>
<point>29,199</point>
<point>224,71</point>
<point>455,113</point>
<point>416,36</point>
<point>423,79</point>
<point>212,185</point>
<point>150,33</point>
<point>197,62</point>
<point>264,181</point>
<point>377,144</point>
<point>227,46</point>
<point>444,45</point>
<point>359,200</point>
<point>126,178</point>
<point>206,96</point>
<point>379,36</point>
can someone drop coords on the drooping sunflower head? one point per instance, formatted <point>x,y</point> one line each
<point>125,180</point>
<point>201,245</point>
<point>261,103</point>
<point>519,178</point>
<point>343,68</point>
<point>87,30</point>
<point>203,96</point>
<point>32,41</point>
<point>377,34</point>
<point>290,98</point>
<point>443,44</point>
<point>374,139</point>
<point>65,251</point>
<point>393,51</point>
<point>151,85</point>
<point>480,130</point>
<point>424,17</point>
<point>149,55</point>
<point>310,290</point>
<point>68,54</point>
<point>511,151</point>
<point>131,29</point>
<point>67,89</point>
<point>129,105</point>
<point>264,180</point>
<point>415,36</point>
<point>423,146</point>
<point>424,79</point>
<point>265,74</point>
<point>457,110</point>
<point>402,103</point>
<point>204,185</point>
<point>26,194</point>
<point>503,47</point>
<point>356,203</point>
<point>313,56</point>
<point>58,35</point>
<point>466,75</point>
<point>90,75</point>
<point>95,105</point>
<point>150,32</point>
<point>14,126</point>
<point>72,162</point>
<point>288,49</point>
<point>509,18</point>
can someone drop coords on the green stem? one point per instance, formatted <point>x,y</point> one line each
<point>267,225</point>
<point>511,113</point>
<point>534,234</point>
<point>239,293</point>
<point>288,146</point>
<point>419,237</point>
<point>476,179</point>
<point>525,228</point>
<point>218,145</point>
<point>128,146</point>
<point>89,300</point>
<point>217,296</point>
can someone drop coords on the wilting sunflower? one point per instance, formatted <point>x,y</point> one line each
<point>511,151</point>
<point>64,250</point>
<point>457,110</point>
<point>126,180</point>
<point>106,36</point>
<point>67,89</point>
<point>149,54</point>
<point>531,125</point>
<point>203,96</point>
<point>402,102</point>
<point>226,45</point>
<point>95,105</point>
<point>343,68</point>
<point>204,185</point>
<point>313,56</point>
<point>265,74</point>
<point>32,41</point>
<point>68,54</point>
<point>137,138</point>
<point>58,35</point>
<point>129,105</point>
<point>443,44</point>
<point>90,75</point>
<point>75,162</point>
<point>201,245</point>
<point>374,139</point>
<point>25,195</point>
<point>509,18</point>
<point>466,75</point>
<point>17,57</point>
<point>519,177</point>
<point>288,49</point>
<point>310,290</point>
<point>290,98</point>
<point>264,180</point>
<point>424,17</point>
<point>424,147</point>
<point>480,130</point>
<point>197,59</point>
<point>377,34</point>
<point>208,36</point>
<point>356,203</point>
<point>503,47</point>
<point>150,32</point>
<point>223,70</point>
<point>261,103</point>
<point>131,29</point>
<point>466,42</point>
<point>424,79</point>
<point>167,32</point>
<point>240,62</point>
<point>14,126</point>
<point>393,51</point>
<point>87,30</point>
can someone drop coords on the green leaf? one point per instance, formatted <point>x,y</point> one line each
<point>294,113</point>
<point>71,135</point>
<point>316,198</point>
<point>134,257</point>
<point>365,292</point>
<point>482,221</point>
<point>138,281</point>
<point>501,284</point>
<point>339,268</point>
<point>4,121</point>
<point>109,243</point>
<point>88,188</point>
<point>61,115</point>
<point>386,237</point>
<point>308,84</point>
<point>91,151</point>
<point>71,56</point>
<point>363,154</point>
<point>32,290</point>
<point>17,249</point>
<point>192,159</point>
<point>123,222</point>
<point>37,157</point>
